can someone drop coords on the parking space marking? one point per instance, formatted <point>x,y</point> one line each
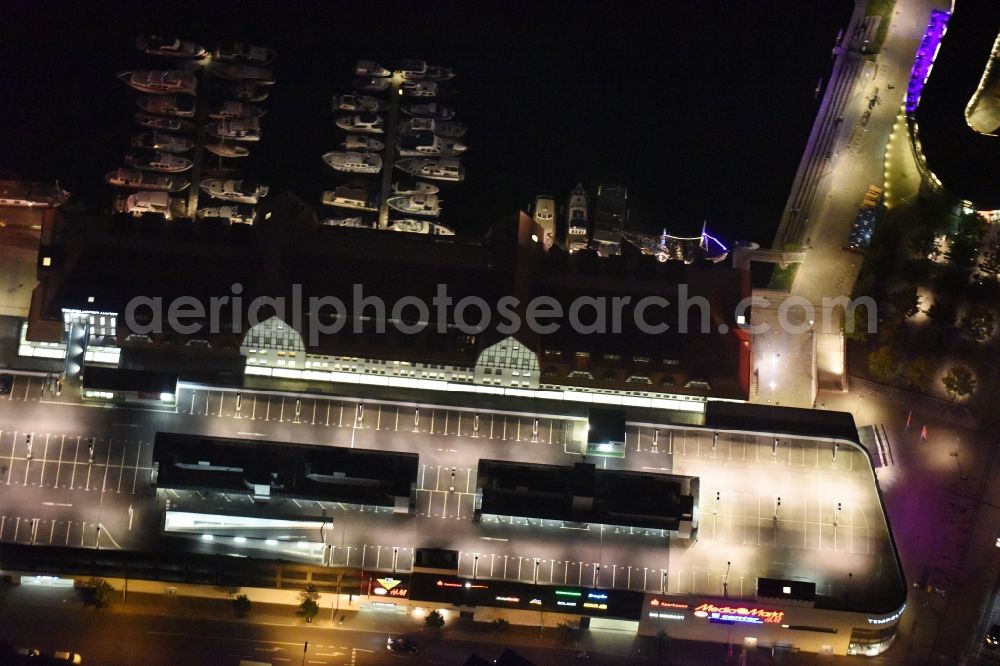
<point>10,467</point>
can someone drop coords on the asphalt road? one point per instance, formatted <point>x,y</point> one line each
<point>113,638</point>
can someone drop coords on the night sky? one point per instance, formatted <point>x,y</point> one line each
<point>701,108</point>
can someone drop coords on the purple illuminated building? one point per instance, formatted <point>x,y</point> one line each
<point>929,45</point>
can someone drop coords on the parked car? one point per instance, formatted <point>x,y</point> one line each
<point>6,383</point>
<point>401,645</point>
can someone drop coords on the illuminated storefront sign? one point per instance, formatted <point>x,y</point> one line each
<point>660,603</point>
<point>536,602</point>
<point>886,620</point>
<point>510,599</point>
<point>567,593</point>
<point>567,603</point>
<point>591,604</point>
<point>473,586</point>
<point>665,616</point>
<point>390,587</point>
<point>597,595</point>
<point>739,614</point>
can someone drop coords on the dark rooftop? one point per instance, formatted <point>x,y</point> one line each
<point>322,473</point>
<point>119,379</point>
<point>585,494</point>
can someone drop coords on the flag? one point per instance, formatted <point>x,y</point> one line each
<point>923,434</point>
<point>908,417</point>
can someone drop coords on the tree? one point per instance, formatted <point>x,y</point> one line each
<point>308,606</point>
<point>500,624</point>
<point>663,641</point>
<point>856,327</point>
<point>959,382</point>
<point>567,631</point>
<point>904,303</point>
<point>882,363</point>
<point>434,620</point>
<point>943,311</point>
<point>924,243</point>
<point>241,605</point>
<point>979,323</point>
<point>98,593</point>
<point>918,374</point>
<point>990,267</point>
<point>310,592</point>
<point>965,241</point>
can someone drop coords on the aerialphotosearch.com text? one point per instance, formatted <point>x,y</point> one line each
<point>319,316</point>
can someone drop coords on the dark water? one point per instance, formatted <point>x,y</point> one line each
<point>701,108</point>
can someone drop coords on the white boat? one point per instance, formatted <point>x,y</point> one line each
<point>158,161</point>
<point>410,226</point>
<point>369,123</point>
<point>364,144</point>
<point>412,70</point>
<point>420,89</point>
<point>168,46</point>
<point>441,168</point>
<point>249,73</point>
<point>427,144</point>
<point>355,198</point>
<point>446,128</point>
<point>246,129</point>
<point>350,222</point>
<point>249,92</point>
<point>237,191</point>
<point>429,110</point>
<point>357,103</point>
<point>438,73</point>
<point>416,187</point>
<point>227,149</point>
<point>234,213</point>
<point>370,68</point>
<point>354,162</point>
<point>416,204</point>
<point>162,141</point>
<point>244,53</point>
<point>145,180</point>
<point>170,105</point>
<point>369,84</point>
<point>142,203</point>
<point>161,82</point>
<point>232,110</point>
<point>161,123</point>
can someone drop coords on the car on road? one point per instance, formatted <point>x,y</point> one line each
<point>401,645</point>
<point>993,636</point>
<point>68,657</point>
<point>6,383</point>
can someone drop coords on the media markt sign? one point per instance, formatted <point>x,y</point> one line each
<point>390,587</point>
<point>739,614</point>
